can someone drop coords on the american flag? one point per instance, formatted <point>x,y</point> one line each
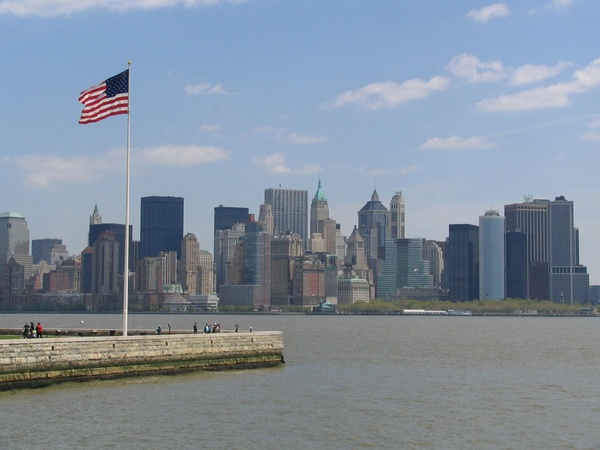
<point>109,98</point>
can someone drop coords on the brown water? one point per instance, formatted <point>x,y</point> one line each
<point>348,382</point>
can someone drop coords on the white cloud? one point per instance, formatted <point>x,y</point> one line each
<point>470,68</point>
<point>285,135</point>
<point>206,88</point>
<point>456,143</point>
<point>553,96</point>
<point>487,13</point>
<point>184,156</point>
<point>48,8</point>
<point>593,132</point>
<point>389,94</point>
<point>531,73</point>
<point>277,164</point>
<point>50,170</point>
<point>561,4</point>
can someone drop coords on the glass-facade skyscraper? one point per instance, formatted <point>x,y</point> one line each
<point>14,242</point>
<point>290,211</point>
<point>161,228</point>
<point>491,256</point>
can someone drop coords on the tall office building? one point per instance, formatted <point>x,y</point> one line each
<point>105,260</point>
<point>161,227</point>
<point>284,251</point>
<point>206,273</point>
<point>227,216</point>
<point>290,211</point>
<point>188,267</point>
<point>14,242</point>
<point>516,265</point>
<point>554,271</point>
<point>531,218</point>
<point>118,232</point>
<point>568,280</point>
<point>433,253</point>
<point>374,227</point>
<point>225,245</point>
<point>319,210</point>
<point>265,218</point>
<point>42,249</point>
<point>463,262</point>
<point>491,256</point>
<point>398,216</point>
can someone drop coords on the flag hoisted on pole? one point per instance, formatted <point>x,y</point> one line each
<point>110,98</point>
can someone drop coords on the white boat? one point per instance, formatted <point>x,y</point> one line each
<point>459,312</point>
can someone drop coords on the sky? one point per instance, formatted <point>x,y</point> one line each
<point>463,106</point>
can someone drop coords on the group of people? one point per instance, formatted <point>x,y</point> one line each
<point>33,331</point>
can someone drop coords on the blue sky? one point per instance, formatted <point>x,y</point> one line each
<point>463,106</point>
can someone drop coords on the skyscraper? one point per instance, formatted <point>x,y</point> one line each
<point>161,227</point>
<point>398,216</point>
<point>290,211</point>
<point>226,242</point>
<point>463,262</point>
<point>568,280</point>
<point>118,232</point>
<point>319,210</point>
<point>105,260</point>
<point>14,242</point>
<point>284,250</point>
<point>42,249</point>
<point>516,265</point>
<point>227,216</point>
<point>531,218</point>
<point>491,256</point>
<point>552,249</point>
<point>374,227</point>
<point>188,267</point>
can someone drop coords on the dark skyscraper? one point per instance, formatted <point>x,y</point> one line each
<point>516,265</point>
<point>161,228</point>
<point>290,212</point>
<point>227,216</point>
<point>42,248</point>
<point>463,262</point>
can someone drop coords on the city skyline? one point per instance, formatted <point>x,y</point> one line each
<point>462,106</point>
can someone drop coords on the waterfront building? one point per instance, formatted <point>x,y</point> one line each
<point>531,218</point>
<point>58,255</point>
<point>149,275</point>
<point>491,256</point>
<point>516,265</point>
<point>432,252</point>
<point>42,249</point>
<point>14,277</point>
<point>290,211</point>
<point>188,266</point>
<point>398,216</point>
<point>228,216</point>
<point>14,243</point>
<point>463,262</point>
<point>309,282</point>
<point>105,262</point>
<point>554,271</point>
<point>374,227</point>
<point>161,225</point>
<point>206,273</point>
<point>118,232</point>
<point>316,244</point>
<point>257,262</point>
<point>284,251</point>
<point>72,268</point>
<point>169,272</point>
<point>413,270</point>
<point>225,245</point>
<point>568,280</point>
<point>352,290</point>
<point>87,262</point>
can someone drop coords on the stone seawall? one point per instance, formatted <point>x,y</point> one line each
<point>40,362</point>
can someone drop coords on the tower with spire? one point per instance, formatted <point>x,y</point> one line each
<point>374,227</point>
<point>95,218</point>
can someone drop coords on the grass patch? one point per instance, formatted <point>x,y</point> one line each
<point>10,337</point>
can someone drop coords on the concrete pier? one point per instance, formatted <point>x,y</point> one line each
<point>43,361</point>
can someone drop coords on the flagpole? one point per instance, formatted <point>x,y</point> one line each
<point>126,262</point>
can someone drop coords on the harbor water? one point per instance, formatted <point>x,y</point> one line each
<point>381,382</point>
